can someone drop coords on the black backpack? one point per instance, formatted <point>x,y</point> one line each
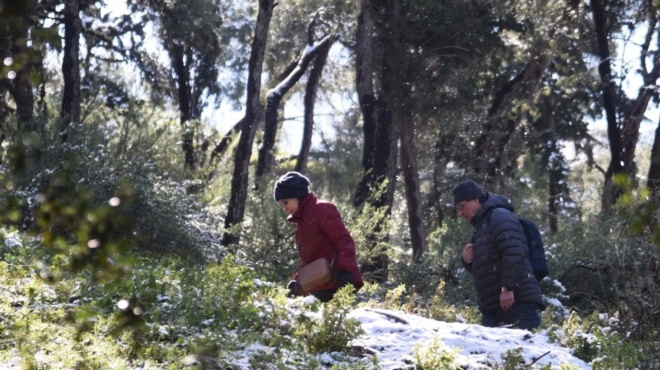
<point>535,247</point>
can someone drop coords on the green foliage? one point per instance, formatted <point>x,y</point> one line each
<point>435,356</point>
<point>333,330</point>
<point>370,231</point>
<point>166,314</point>
<point>267,238</point>
<point>513,360</point>
<point>600,265</point>
<point>594,341</point>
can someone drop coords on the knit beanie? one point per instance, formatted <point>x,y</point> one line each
<point>291,185</point>
<point>467,190</point>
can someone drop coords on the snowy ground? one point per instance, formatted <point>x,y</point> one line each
<point>392,336</point>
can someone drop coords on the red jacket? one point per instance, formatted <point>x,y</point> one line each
<point>320,233</point>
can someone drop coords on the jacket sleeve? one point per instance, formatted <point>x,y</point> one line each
<point>333,227</point>
<point>506,232</point>
<point>467,266</point>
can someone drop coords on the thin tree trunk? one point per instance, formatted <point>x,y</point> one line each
<point>21,90</point>
<point>375,266</point>
<point>623,138</point>
<point>555,177</point>
<point>185,100</point>
<point>266,158</point>
<point>71,66</point>
<point>414,202</point>
<point>313,81</point>
<point>441,159</point>
<point>223,145</point>
<point>379,181</point>
<point>220,149</point>
<point>405,130</point>
<point>653,180</point>
<point>366,97</point>
<point>239,181</point>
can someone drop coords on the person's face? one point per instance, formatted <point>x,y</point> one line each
<point>289,205</point>
<point>467,209</point>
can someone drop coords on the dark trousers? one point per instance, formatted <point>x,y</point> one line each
<point>324,295</point>
<point>521,316</point>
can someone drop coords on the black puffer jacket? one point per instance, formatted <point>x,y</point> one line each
<point>500,256</point>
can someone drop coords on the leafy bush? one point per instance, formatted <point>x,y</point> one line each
<point>96,162</point>
<point>333,330</point>
<point>435,356</point>
<point>608,269</point>
<point>267,239</point>
<point>594,341</point>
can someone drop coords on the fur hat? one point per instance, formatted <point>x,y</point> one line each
<point>291,185</point>
<point>467,190</point>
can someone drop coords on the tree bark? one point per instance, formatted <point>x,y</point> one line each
<point>381,139</point>
<point>220,149</point>
<point>253,112</point>
<point>415,204</point>
<point>71,66</point>
<point>402,108</point>
<point>555,177</point>
<point>653,179</point>
<point>623,135</point>
<point>21,91</point>
<point>223,145</point>
<point>442,156</point>
<point>185,99</point>
<point>366,97</point>
<point>313,81</point>
<point>266,158</point>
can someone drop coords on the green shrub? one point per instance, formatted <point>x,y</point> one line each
<point>594,340</point>
<point>606,268</point>
<point>267,239</point>
<point>333,330</point>
<point>435,356</point>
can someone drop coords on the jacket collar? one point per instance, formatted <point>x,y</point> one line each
<point>307,203</point>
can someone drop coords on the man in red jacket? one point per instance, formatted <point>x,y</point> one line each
<point>320,233</point>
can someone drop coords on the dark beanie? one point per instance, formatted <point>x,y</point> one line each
<point>291,185</point>
<point>467,190</point>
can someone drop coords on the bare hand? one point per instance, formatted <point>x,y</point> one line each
<point>468,254</point>
<point>507,300</point>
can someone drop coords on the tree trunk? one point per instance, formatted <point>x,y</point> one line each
<point>71,66</point>
<point>366,97</point>
<point>622,137</point>
<point>21,91</point>
<point>403,115</point>
<point>226,140</point>
<point>381,140</point>
<point>313,81</point>
<point>653,180</point>
<point>375,265</point>
<point>26,60</point>
<point>253,112</point>
<point>185,100</point>
<point>442,155</point>
<point>414,200</point>
<point>266,158</point>
<point>555,190</point>
<point>223,145</point>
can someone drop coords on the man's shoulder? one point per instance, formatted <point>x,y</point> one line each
<point>501,214</point>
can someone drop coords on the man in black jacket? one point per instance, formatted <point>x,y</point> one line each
<point>498,259</point>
